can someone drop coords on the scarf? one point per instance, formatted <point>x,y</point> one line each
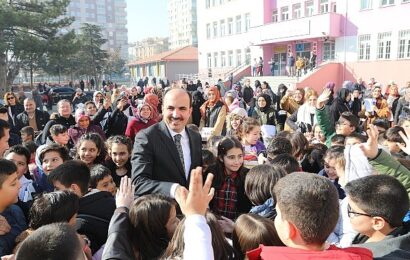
<point>304,114</point>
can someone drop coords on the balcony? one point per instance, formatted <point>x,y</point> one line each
<point>321,25</point>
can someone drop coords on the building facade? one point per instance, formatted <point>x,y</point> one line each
<point>149,47</point>
<point>182,17</point>
<point>111,15</point>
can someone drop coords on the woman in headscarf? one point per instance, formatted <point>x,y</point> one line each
<point>264,112</point>
<point>142,120</point>
<point>281,114</point>
<point>213,112</point>
<point>153,101</point>
<point>197,101</point>
<point>339,105</point>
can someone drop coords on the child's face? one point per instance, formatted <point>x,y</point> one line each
<point>253,136</point>
<point>233,160</point>
<point>90,109</point>
<point>107,184</point>
<point>360,223</point>
<point>392,146</point>
<point>61,139</point>
<point>120,154</point>
<point>26,138</point>
<point>172,223</point>
<point>51,161</point>
<point>20,161</point>
<point>319,134</point>
<point>235,123</point>
<point>84,122</point>
<point>88,152</point>
<point>9,190</point>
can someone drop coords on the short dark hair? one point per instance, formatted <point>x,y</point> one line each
<point>58,129</point>
<point>20,150</point>
<point>7,168</point>
<point>310,202</point>
<point>278,145</point>
<point>260,180</point>
<point>299,143</point>
<point>97,173</point>
<point>392,134</point>
<point>354,135</point>
<point>28,130</point>
<point>287,161</point>
<point>351,118</point>
<point>31,146</point>
<point>54,148</point>
<point>382,122</point>
<point>71,172</point>
<point>208,158</point>
<point>3,125</point>
<point>52,241</point>
<point>52,207</point>
<point>3,110</point>
<point>380,195</point>
<point>338,139</point>
<point>336,152</point>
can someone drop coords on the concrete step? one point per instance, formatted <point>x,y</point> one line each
<point>275,81</point>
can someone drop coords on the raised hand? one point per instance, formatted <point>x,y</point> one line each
<point>125,193</point>
<point>196,200</point>
<point>406,140</point>
<point>371,147</point>
<point>323,98</point>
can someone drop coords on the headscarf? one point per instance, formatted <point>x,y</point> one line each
<point>153,101</point>
<point>268,102</point>
<point>211,103</point>
<point>95,94</point>
<point>342,94</point>
<point>79,114</point>
<point>139,108</point>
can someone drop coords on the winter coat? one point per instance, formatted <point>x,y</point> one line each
<point>215,117</point>
<point>76,132</point>
<point>67,122</point>
<point>135,125</point>
<point>22,120</point>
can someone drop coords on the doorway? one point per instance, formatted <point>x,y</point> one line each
<point>280,64</point>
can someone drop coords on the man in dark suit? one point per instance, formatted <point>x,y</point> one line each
<point>31,117</point>
<point>165,153</point>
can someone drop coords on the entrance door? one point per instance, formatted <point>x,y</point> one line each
<point>280,64</point>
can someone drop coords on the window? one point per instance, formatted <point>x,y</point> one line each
<point>328,51</point>
<point>208,3</point>
<point>238,24</point>
<point>230,26</point>
<point>297,12</point>
<point>247,22</point>
<point>209,60</point>
<point>284,13</point>
<point>309,8</point>
<point>230,58</point>
<point>275,16</point>
<point>384,45</point>
<point>215,59</point>
<point>324,6</point>
<point>248,56</point>
<point>223,59</point>
<point>405,1</point>
<point>215,26</point>
<point>238,57</point>
<point>208,31</point>
<point>222,27</point>
<point>364,47</point>
<point>386,2</point>
<point>404,44</point>
<point>366,4</point>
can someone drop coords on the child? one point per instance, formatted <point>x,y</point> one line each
<point>21,156</point>
<point>229,181</point>
<point>9,190</point>
<point>377,206</point>
<point>249,136</point>
<point>83,126</point>
<point>278,145</point>
<point>101,179</point>
<point>119,150</point>
<point>27,134</point>
<point>96,207</point>
<point>287,161</point>
<point>91,149</point>
<point>208,159</point>
<point>391,138</point>
<point>59,135</point>
<point>234,121</point>
<point>308,209</point>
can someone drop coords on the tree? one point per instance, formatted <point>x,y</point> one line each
<point>25,29</point>
<point>92,55</point>
<point>115,64</point>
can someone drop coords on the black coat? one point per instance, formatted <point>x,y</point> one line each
<point>67,122</point>
<point>339,105</point>
<point>22,120</point>
<point>155,162</point>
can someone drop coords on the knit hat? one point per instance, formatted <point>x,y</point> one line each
<point>79,114</point>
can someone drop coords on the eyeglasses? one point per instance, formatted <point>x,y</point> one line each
<point>10,98</point>
<point>353,214</point>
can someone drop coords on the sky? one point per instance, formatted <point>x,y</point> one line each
<point>147,18</point>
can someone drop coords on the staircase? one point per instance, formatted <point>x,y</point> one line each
<point>275,81</point>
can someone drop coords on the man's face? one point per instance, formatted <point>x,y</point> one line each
<point>29,106</point>
<point>64,109</point>
<point>4,142</point>
<point>176,109</point>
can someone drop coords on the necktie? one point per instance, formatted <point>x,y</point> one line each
<point>177,140</point>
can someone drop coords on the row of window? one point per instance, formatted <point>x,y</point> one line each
<point>226,26</point>
<point>384,45</point>
<point>229,58</point>
<point>368,4</point>
<point>297,10</point>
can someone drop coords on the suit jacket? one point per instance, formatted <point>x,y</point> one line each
<point>22,120</point>
<point>155,162</point>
